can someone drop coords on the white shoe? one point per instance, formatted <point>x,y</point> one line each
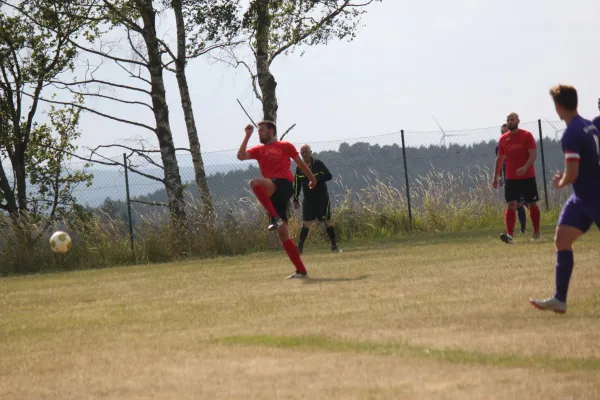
<point>298,275</point>
<point>551,303</point>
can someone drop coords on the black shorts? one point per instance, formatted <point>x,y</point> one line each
<point>318,208</point>
<point>521,190</point>
<point>284,190</point>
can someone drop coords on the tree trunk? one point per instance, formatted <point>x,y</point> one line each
<point>173,183</point>
<point>266,80</point>
<point>7,193</point>
<point>188,112</point>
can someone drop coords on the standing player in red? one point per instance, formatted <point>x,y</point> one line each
<point>518,147</point>
<point>275,189</point>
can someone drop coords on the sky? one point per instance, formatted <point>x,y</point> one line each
<point>468,62</point>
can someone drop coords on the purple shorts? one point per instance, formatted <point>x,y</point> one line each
<point>579,214</point>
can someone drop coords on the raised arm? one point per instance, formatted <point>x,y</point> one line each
<point>243,154</point>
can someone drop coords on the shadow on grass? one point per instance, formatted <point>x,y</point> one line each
<point>311,279</point>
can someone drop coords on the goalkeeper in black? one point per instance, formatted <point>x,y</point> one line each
<point>316,204</point>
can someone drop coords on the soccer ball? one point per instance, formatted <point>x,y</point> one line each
<point>60,242</point>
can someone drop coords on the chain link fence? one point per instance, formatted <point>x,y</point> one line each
<point>456,166</point>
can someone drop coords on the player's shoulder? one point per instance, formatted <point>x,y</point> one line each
<point>285,143</point>
<point>525,132</point>
<point>596,121</point>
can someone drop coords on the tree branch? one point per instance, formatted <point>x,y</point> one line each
<point>101,82</point>
<point>286,132</point>
<point>95,112</point>
<point>110,98</point>
<point>312,30</point>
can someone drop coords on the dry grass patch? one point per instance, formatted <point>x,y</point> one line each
<point>435,316</point>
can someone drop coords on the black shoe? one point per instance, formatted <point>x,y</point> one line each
<point>335,249</point>
<point>275,222</point>
<point>506,238</point>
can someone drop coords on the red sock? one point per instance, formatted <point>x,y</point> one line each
<point>294,255</point>
<point>534,212</point>
<point>265,200</point>
<point>510,219</point>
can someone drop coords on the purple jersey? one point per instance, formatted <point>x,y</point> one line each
<point>581,142</point>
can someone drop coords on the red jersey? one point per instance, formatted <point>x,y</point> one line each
<point>274,159</point>
<point>516,149</point>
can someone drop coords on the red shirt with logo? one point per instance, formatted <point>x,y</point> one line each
<point>274,159</point>
<point>516,149</point>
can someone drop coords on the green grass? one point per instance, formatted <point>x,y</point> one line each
<point>439,316</point>
<point>459,356</point>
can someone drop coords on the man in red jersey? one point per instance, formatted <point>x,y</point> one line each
<point>518,148</point>
<point>275,189</point>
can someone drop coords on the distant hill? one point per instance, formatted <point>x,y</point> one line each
<point>354,167</point>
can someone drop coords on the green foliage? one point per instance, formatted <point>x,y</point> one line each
<point>32,56</point>
<point>51,146</point>
<point>306,22</point>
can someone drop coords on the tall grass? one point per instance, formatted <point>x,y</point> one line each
<point>441,202</point>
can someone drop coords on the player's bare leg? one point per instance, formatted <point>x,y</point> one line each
<point>264,188</point>
<point>564,238</point>
<point>292,251</point>
<point>510,219</point>
<point>331,233</point>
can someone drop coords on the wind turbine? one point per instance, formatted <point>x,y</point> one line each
<point>444,134</point>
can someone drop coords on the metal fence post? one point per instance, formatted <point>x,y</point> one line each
<point>406,181</point>
<point>543,164</point>
<point>131,240</point>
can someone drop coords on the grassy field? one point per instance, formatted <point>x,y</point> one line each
<point>428,317</point>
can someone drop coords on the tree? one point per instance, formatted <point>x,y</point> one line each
<point>30,57</point>
<point>217,14</point>
<point>275,27</point>
<point>138,20</point>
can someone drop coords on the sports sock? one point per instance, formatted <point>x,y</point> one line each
<point>564,268</point>
<point>265,200</point>
<point>303,234</point>
<point>331,233</point>
<point>534,212</point>
<point>294,255</point>
<point>522,218</point>
<point>510,217</point>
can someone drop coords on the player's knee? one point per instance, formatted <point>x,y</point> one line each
<point>282,232</point>
<point>562,240</point>
<point>512,205</point>
<point>327,223</point>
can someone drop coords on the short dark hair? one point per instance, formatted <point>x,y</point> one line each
<point>565,96</point>
<point>269,124</point>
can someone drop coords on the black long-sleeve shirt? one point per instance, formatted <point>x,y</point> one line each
<point>322,175</point>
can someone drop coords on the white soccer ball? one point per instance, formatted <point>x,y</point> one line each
<point>60,242</point>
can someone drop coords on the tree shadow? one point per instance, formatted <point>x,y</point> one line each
<point>311,280</point>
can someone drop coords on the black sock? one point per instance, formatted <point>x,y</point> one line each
<point>303,235</point>
<point>331,234</point>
